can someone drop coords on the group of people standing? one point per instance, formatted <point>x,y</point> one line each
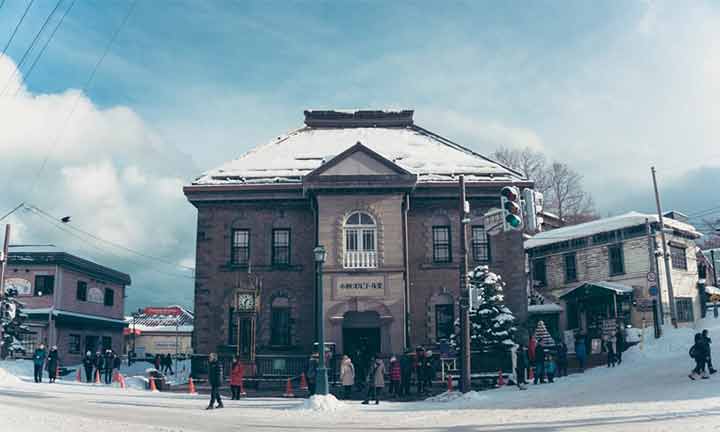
<point>164,363</point>
<point>46,360</point>
<point>701,353</point>
<point>548,362</point>
<point>101,365</point>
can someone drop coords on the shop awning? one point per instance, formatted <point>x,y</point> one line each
<point>596,288</point>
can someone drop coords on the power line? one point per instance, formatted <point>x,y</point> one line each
<point>44,48</point>
<point>84,90</point>
<point>2,3</point>
<point>108,242</point>
<point>12,36</point>
<point>12,211</point>
<point>30,47</point>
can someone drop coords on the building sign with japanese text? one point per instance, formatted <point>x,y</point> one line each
<point>360,286</point>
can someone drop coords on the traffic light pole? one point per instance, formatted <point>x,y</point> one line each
<point>465,295</point>
<point>666,257</point>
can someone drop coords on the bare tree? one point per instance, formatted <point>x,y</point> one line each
<point>566,195</point>
<point>530,162</point>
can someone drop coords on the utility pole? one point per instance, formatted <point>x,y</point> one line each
<point>464,294</point>
<point>714,265</point>
<point>666,256</point>
<point>657,314</point>
<point>3,264</point>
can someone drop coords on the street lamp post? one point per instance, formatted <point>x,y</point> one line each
<point>322,378</point>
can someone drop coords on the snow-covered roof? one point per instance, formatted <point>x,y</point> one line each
<point>544,308</point>
<point>617,288</point>
<point>288,158</point>
<point>712,290</point>
<point>613,223</point>
<point>162,319</point>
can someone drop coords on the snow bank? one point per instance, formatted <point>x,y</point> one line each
<point>324,403</point>
<point>8,379</point>
<point>458,399</point>
<point>22,369</point>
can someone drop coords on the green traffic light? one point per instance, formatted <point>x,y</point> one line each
<point>513,220</point>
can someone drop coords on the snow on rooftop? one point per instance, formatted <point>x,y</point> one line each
<point>604,225</point>
<point>288,158</point>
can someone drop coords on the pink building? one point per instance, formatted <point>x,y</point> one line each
<point>70,302</point>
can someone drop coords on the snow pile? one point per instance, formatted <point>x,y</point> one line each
<point>22,369</point>
<point>323,403</point>
<point>458,399</point>
<point>8,379</point>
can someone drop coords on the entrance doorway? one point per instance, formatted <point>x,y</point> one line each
<point>361,337</point>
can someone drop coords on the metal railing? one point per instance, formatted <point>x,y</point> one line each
<point>360,259</point>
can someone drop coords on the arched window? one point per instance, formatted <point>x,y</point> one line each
<point>280,322</point>
<point>360,241</point>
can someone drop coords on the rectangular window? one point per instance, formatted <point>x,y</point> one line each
<point>109,297</point>
<point>678,257</point>
<point>91,344</point>
<point>351,240</point>
<point>617,259</point>
<point>684,306</point>
<point>280,326</point>
<point>441,244</point>
<point>74,347</point>
<point>480,245</point>
<point>240,254</point>
<point>539,271</point>
<point>281,247</point>
<point>368,236</point>
<point>107,343</point>
<point>444,321</point>
<point>570,267</point>
<point>44,285</point>
<point>81,291</point>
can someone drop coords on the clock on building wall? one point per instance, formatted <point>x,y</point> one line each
<point>246,301</point>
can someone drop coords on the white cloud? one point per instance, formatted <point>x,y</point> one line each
<point>110,171</point>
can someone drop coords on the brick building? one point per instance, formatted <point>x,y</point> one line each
<point>71,302</point>
<point>381,194</point>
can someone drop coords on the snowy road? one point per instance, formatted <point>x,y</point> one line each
<point>650,391</point>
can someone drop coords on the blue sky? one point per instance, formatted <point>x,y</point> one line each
<point>610,87</point>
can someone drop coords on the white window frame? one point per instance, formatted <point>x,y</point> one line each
<point>359,232</point>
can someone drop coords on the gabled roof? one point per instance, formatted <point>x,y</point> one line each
<point>359,148</point>
<point>391,134</point>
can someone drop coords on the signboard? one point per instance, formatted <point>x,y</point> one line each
<point>653,291</point>
<point>644,305</point>
<point>162,311</point>
<point>22,286</point>
<point>651,277</point>
<point>360,286</point>
<point>95,295</point>
<point>493,222</point>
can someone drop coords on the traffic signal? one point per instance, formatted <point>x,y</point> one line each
<point>512,211</point>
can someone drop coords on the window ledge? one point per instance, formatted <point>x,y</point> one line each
<point>262,268</point>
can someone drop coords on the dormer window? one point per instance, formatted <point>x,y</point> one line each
<point>360,241</point>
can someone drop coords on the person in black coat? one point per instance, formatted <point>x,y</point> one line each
<point>405,373</point>
<point>108,362</point>
<point>539,364</point>
<point>562,359</point>
<point>53,362</point>
<point>521,365</point>
<point>214,379</point>
<point>38,362</point>
<point>619,344</point>
<point>98,362</point>
<point>708,341</point>
<point>88,364</point>
<point>699,352</point>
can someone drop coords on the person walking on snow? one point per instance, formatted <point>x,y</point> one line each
<point>39,362</point>
<point>619,343</point>
<point>539,364</point>
<point>375,380</point>
<point>709,357</point>
<point>395,376</point>
<point>347,376</point>
<point>699,352</point>
<point>562,359</point>
<point>214,379</point>
<point>311,374</point>
<point>88,364</point>
<point>53,362</point>
<point>608,344</point>
<point>581,352</point>
<point>237,374</point>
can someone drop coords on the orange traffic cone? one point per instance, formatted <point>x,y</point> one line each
<point>288,389</point>
<point>191,387</point>
<point>153,387</point>
<point>97,377</point>
<point>501,380</point>
<point>450,383</point>
<point>78,377</point>
<point>303,382</point>
<point>531,375</point>
<point>121,380</point>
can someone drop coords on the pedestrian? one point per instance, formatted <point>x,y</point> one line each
<point>39,362</point>
<point>532,346</point>
<point>417,368</point>
<point>237,374</point>
<point>580,352</point>
<point>520,366</point>
<point>108,363</point>
<point>539,364</point>
<point>619,343</point>
<point>428,371</point>
<point>347,376</point>
<point>312,372</point>
<point>550,368</point>
<point>88,363</point>
<point>169,364</point>
<point>699,352</point>
<point>99,365</point>
<point>214,379</point>
<point>405,373</point>
<point>708,341</point>
<point>117,362</point>
<point>158,363</point>
<point>395,377</point>
<point>53,363</point>
<point>375,380</point>
<point>562,359</point>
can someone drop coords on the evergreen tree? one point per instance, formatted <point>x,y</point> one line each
<point>492,323</point>
<point>11,320</point>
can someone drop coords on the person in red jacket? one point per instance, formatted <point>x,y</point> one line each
<point>236,378</point>
<point>395,374</point>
